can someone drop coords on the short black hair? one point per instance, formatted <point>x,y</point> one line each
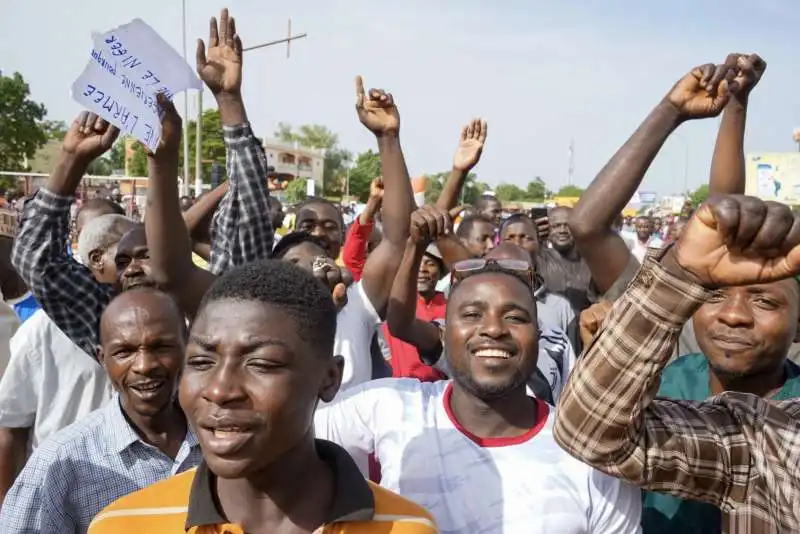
<point>466,224</point>
<point>493,268</point>
<point>287,287</point>
<point>515,218</point>
<point>322,200</point>
<point>292,239</point>
<point>101,204</point>
<point>482,200</point>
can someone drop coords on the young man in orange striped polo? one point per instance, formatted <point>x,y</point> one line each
<point>260,358</point>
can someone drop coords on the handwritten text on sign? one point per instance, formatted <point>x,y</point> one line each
<point>129,65</point>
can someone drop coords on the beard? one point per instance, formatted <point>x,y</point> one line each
<point>488,392</point>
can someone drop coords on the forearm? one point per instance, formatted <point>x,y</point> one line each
<point>167,234</point>
<point>401,316</point>
<point>354,251</point>
<point>242,230</point>
<point>727,165</point>
<point>368,215</point>
<point>66,176</point>
<point>198,217</point>
<point>613,187</point>
<point>398,200</point>
<point>620,372</point>
<point>452,250</point>
<point>13,445</point>
<point>448,199</point>
<point>231,109</point>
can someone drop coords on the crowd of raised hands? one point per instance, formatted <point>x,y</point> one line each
<point>606,415</point>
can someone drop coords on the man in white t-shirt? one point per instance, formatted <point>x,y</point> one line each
<point>477,451</point>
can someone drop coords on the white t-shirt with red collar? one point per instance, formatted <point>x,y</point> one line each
<point>526,484</point>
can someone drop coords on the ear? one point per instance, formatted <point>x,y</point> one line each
<point>797,334</point>
<point>96,260</point>
<point>101,356</point>
<point>333,379</point>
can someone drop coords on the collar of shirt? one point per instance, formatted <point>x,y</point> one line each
<point>353,499</point>
<point>122,435</point>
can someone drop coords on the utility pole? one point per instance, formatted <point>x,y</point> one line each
<point>185,187</point>
<point>571,164</point>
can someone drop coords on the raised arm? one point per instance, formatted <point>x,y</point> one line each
<point>713,451</point>
<point>727,165</point>
<point>242,230</point>
<point>66,289</point>
<point>378,113</point>
<point>354,251</point>
<point>167,235</point>
<point>427,223</point>
<point>604,251</point>
<point>468,154</point>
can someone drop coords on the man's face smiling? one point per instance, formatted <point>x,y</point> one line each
<point>142,347</point>
<point>251,384</point>
<point>491,338</point>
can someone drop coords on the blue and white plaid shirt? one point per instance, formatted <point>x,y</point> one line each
<point>80,470</point>
<point>241,232</point>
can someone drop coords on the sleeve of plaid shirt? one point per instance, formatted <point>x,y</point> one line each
<point>723,451</point>
<point>241,230</point>
<point>66,290</point>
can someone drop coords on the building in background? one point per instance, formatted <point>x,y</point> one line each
<point>774,176</point>
<point>292,161</point>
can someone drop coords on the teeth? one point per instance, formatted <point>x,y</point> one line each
<point>148,387</point>
<point>493,353</point>
<point>225,433</point>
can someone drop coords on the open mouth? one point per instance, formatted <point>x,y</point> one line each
<point>493,354</point>
<point>226,440</point>
<point>147,390</point>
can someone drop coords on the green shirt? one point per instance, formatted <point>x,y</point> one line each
<point>687,378</point>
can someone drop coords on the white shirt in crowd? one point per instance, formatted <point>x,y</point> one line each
<point>9,322</point>
<point>355,326</point>
<point>50,382</point>
<point>472,485</point>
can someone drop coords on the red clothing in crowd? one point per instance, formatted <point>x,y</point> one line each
<point>405,359</point>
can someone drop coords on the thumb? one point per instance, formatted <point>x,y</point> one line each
<point>455,212</point>
<point>339,295</point>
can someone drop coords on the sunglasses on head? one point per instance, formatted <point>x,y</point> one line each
<point>465,268</point>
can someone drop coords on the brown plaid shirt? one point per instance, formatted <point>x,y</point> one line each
<point>736,451</point>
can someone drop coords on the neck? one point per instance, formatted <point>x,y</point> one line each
<point>508,416</point>
<point>428,296</point>
<point>765,384</point>
<point>165,429</point>
<point>296,488</point>
<point>14,287</point>
<point>569,254</point>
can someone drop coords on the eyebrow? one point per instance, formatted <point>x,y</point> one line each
<point>210,344</point>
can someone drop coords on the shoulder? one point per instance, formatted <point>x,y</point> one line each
<point>391,507</point>
<point>167,499</point>
<point>72,439</point>
<point>358,308</point>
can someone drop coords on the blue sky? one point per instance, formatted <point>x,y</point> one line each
<point>540,72</point>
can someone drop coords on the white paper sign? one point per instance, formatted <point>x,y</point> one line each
<point>129,65</point>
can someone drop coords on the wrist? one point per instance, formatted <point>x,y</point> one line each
<point>71,162</point>
<point>669,262</point>
<point>668,111</point>
<point>738,103</point>
<point>231,108</point>
<point>391,136</point>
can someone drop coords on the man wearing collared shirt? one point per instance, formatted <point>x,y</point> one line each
<point>260,359</point>
<point>736,451</point>
<point>139,438</point>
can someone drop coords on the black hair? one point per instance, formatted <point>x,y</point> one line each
<point>482,200</point>
<point>493,268</point>
<point>287,287</point>
<point>515,218</point>
<point>101,204</point>
<point>322,200</point>
<point>466,224</point>
<point>292,239</point>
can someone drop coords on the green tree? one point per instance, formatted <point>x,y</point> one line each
<point>367,167</point>
<point>212,147</point>
<point>334,173</point>
<point>116,156</point>
<point>469,193</point>
<point>22,132</point>
<point>55,129</point>
<point>537,190</point>
<point>699,195</point>
<point>296,191</point>
<point>137,166</point>
<point>570,191</point>
<point>100,167</point>
<point>510,193</point>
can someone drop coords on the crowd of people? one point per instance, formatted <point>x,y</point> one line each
<point>427,368</point>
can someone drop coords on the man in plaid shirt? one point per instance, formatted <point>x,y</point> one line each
<point>736,451</point>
